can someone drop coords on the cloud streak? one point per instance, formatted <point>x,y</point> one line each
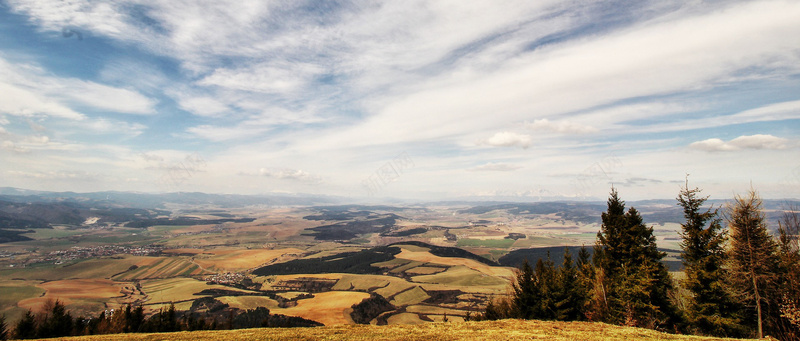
<point>495,167</point>
<point>561,127</point>
<point>289,174</point>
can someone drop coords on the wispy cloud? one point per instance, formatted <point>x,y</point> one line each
<point>288,174</point>
<point>495,167</point>
<point>781,111</point>
<point>639,181</point>
<point>561,127</point>
<point>29,90</point>
<point>272,78</point>
<point>56,175</point>
<point>203,106</point>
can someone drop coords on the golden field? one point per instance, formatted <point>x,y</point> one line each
<point>486,330</point>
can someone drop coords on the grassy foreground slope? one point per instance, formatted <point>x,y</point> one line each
<point>486,330</point>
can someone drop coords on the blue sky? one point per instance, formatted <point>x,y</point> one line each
<point>406,99</point>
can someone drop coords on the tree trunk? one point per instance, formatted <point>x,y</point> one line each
<point>758,307</point>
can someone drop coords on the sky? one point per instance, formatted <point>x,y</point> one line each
<point>424,100</point>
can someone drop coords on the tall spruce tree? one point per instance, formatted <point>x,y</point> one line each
<point>548,286</point>
<point>711,308</point>
<point>569,298</point>
<point>753,255</point>
<point>789,253</point>
<point>586,278</point>
<point>527,299</point>
<point>58,322</point>
<point>635,284</point>
<point>26,327</point>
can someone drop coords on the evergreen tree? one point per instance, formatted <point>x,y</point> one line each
<point>711,308</point>
<point>526,300</point>
<point>547,284</point>
<point>26,327</point>
<point>168,319</point>
<point>543,293</point>
<point>633,285</point>
<point>134,318</point>
<point>58,322</point>
<point>788,297</point>
<point>165,320</point>
<point>753,254</point>
<point>586,278</point>
<point>569,298</point>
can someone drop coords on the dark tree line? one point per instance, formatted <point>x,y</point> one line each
<point>739,282</point>
<point>55,321</point>
<point>545,291</point>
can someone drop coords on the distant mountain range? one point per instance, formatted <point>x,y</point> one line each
<point>152,200</point>
<point>22,210</point>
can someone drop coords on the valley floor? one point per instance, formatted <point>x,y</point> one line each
<point>485,330</point>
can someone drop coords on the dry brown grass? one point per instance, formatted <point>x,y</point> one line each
<point>179,289</point>
<point>488,330</point>
<point>328,308</point>
<point>249,302</point>
<point>161,267</point>
<point>69,291</point>
<point>426,257</point>
<point>235,260</point>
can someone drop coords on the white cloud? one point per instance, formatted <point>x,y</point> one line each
<point>108,126</point>
<point>759,142</point>
<point>772,112</point>
<point>151,157</point>
<point>667,56</point>
<point>217,133</point>
<point>203,106</point>
<point>280,78</point>
<point>495,167</point>
<point>742,142</point>
<point>254,125</point>
<point>55,175</point>
<point>508,139</point>
<point>28,90</point>
<point>53,15</point>
<point>561,127</point>
<point>639,181</point>
<point>11,146</point>
<point>21,102</point>
<point>289,174</point>
<point>37,139</point>
<point>101,96</point>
